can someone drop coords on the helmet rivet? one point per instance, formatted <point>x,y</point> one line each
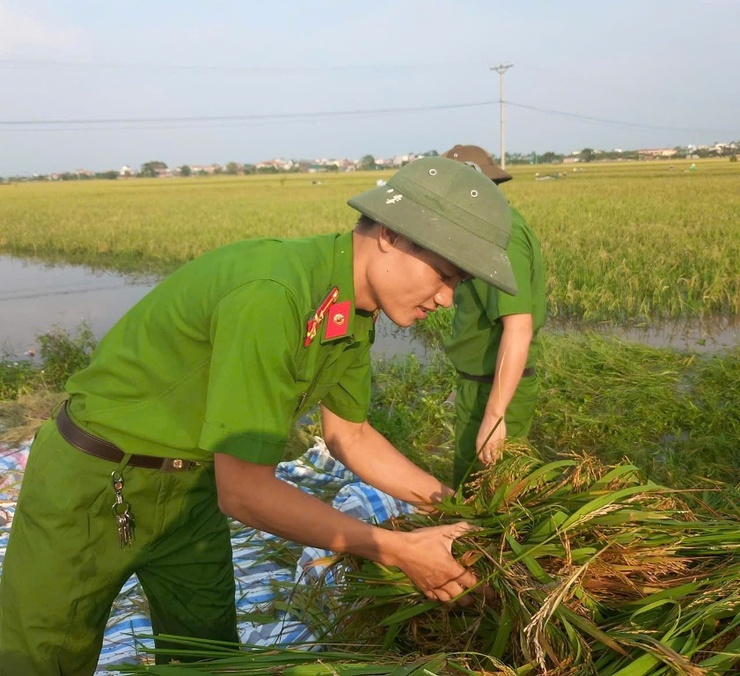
<point>474,193</point>
<point>432,172</point>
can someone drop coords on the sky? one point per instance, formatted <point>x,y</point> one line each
<point>99,85</point>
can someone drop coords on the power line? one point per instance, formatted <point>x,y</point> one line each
<point>201,121</point>
<point>602,120</point>
<point>245,118</point>
<point>40,64</point>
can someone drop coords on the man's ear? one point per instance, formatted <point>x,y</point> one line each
<point>386,238</point>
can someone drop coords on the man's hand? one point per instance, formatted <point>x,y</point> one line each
<point>491,445</point>
<point>425,555</point>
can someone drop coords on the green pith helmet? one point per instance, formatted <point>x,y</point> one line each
<point>450,208</point>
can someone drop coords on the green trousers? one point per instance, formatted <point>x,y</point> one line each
<point>64,565</point>
<point>470,405</point>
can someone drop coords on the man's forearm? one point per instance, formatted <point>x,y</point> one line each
<point>269,504</point>
<point>511,361</point>
<point>377,462</point>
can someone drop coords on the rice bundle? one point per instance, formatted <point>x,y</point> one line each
<point>588,568</point>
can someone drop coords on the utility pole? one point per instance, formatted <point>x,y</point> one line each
<point>501,69</point>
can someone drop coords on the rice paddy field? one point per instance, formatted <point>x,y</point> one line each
<point>611,540</point>
<point>622,242</point>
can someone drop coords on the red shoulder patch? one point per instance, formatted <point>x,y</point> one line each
<point>338,320</point>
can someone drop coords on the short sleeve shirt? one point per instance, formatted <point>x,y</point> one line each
<point>477,327</point>
<point>214,359</point>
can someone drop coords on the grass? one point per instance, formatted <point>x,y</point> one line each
<point>29,391</point>
<point>409,407</point>
<point>675,415</point>
<point>61,355</point>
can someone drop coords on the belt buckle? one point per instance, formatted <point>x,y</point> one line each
<point>175,465</point>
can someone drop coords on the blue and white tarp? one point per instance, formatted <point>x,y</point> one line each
<point>255,571</point>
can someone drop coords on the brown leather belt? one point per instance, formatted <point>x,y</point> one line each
<point>526,373</point>
<point>100,448</point>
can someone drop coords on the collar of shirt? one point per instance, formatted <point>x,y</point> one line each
<point>342,319</point>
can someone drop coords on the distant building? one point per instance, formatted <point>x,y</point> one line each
<point>652,153</point>
<point>278,163</point>
<point>209,169</point>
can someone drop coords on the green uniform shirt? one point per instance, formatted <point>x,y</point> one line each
<point>213,358</point>
<point>477,327</point>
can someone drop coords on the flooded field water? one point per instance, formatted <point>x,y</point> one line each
<point>35,298</point>
<point>706,335</point>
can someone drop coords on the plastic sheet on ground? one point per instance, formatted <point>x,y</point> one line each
<point>255,569</point>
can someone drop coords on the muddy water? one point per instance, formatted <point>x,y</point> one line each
<point>35,297</point>
<point>707,335</point>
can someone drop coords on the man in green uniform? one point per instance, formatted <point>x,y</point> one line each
<point>494,344</point>
<point>185,409</point>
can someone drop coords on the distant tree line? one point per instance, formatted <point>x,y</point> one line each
<point>110,175</point>
<point>156,168</point>
<point>591,155</point>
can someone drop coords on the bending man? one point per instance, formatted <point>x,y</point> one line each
<point>186,406</point>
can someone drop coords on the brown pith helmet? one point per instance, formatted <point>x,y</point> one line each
<point>478,158</point>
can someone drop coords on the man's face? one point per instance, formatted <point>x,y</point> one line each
<point>410,282</point>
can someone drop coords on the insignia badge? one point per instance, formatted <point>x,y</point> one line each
<point>313,324</point>
<point>337,326</point>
